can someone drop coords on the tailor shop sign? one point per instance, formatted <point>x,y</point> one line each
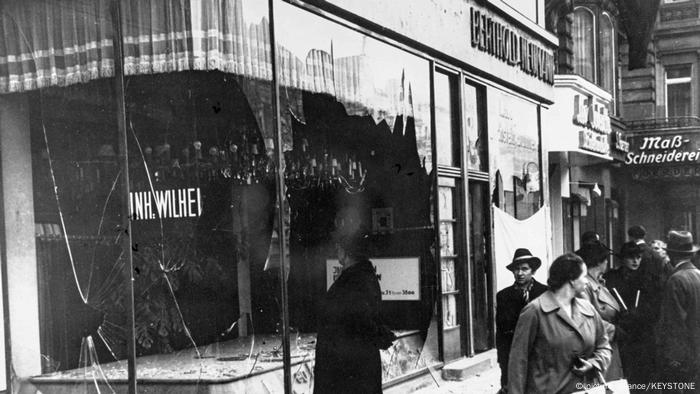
<point>504,43</point>
<point>669,149</point>
<point>668,156</point>
<point>594,118</point>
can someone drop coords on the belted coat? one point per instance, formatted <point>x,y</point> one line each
<point>546,342</point>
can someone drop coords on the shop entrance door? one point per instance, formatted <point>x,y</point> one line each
<point>479,266</point>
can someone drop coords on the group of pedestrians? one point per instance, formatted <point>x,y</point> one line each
<point>640,321</point>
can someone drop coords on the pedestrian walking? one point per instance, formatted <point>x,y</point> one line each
<point>680,315</point>
<point>560,343</point>
<point>511,301</point>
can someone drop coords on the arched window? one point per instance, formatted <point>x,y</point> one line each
<point>584,43</point>
<point>608,63</point>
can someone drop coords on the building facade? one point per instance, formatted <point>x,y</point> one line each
<point>175,176</point>
<point>586,129</point>
<point>662,163</point>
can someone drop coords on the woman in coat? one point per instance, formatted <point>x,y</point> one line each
<point>596,258</point>
<point>350,332</point>
<point>560,342</point>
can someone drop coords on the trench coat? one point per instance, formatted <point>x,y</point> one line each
<point>680,320</point>
<point>509,304</point>
<point>609,310</point>
<point>546,342</point>
<point>350,334</point>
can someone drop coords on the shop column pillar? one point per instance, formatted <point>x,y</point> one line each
<point>22,319</point>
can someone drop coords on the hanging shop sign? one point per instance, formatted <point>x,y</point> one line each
<point>399,277</point>
<point>594,142</point>
<point>166,204</point>
<point>620,142</point>
<point>504,43</point>
<point>672,149</point>
<point>591,114</point>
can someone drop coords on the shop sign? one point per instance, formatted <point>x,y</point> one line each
<point>165,204</point>
<point>594,142</point>
<point>590,114</point>
<point>620,142</point>
<point>399,277</point>
<point>667,149</point>
<point>504,43</point>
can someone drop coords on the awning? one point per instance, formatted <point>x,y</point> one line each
<point>46,43</point>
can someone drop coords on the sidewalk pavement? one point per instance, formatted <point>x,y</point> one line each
<point>486,382</point>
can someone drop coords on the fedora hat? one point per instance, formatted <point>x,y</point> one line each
<point>523,255</point>
<point>681,242</point>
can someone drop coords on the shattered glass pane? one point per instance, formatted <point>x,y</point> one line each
<point>361,163</point>
<point>82,267</point>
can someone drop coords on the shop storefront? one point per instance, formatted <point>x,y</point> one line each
<point>664,171</point>
<point>584,147</point>
<point>171,202</point>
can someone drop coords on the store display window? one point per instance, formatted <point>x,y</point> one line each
<point>193,170</point>
<point>515,153</point>
<point>362,162</point>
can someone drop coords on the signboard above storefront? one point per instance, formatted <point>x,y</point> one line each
<point>664,150</point>
<point>399,277</point>
<point>580,122</point>
<point>503,42</point>
<point>501,39</point>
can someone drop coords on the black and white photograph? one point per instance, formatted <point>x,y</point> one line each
<point>350,197</point>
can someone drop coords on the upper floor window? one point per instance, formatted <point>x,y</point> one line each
<point>606,37</point>
<point>584,44</point>
<point>595,49</point>
<point>678,97</point>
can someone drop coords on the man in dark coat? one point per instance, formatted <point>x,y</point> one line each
<point>652,267</point>
<point>351,331</point>
<point>680,315</point>
<point>511,300</point>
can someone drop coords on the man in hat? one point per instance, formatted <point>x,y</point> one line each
<point>511,300</point>
<point>680,315</point>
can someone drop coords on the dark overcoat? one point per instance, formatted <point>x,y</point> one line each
<point>637,347</point>
<point>680,318</point>
<point>350,334</point>
<point>509,304</point>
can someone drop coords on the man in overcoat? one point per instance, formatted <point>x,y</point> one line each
<point>511,300</point>
<point>680,316</point>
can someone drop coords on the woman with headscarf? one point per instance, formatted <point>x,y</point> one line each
<point>351,331</point>
<point>560,342</point>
